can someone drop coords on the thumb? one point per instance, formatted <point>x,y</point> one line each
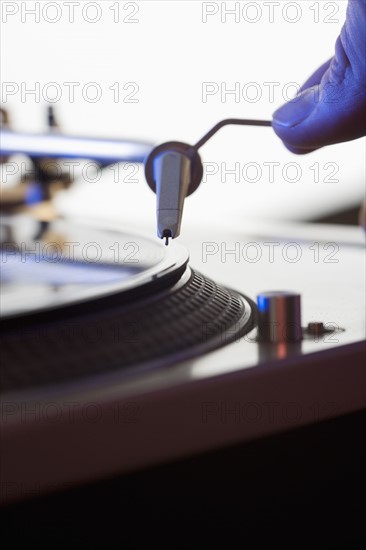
<point>331,107</point>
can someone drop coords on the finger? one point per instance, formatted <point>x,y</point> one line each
<point>316,77</point>
<point>331,107</point>
<point>329,112</point>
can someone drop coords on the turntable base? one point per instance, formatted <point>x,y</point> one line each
<point>121,420</point>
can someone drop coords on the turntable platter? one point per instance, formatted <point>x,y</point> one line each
<point>80,303</point>
<point>58,264</point>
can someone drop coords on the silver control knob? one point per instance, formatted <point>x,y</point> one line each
<point>279,316</point>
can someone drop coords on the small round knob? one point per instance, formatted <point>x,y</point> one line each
<point>279,316</point>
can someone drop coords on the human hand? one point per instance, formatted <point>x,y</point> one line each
<point>331,107</point>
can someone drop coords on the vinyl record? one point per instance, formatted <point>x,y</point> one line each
<point>82,304</point>
<point>51,265</point>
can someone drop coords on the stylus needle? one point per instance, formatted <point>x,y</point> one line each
<point>172,171</point>
<point>166,235</point>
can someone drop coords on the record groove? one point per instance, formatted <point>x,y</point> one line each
<point>193,317</point>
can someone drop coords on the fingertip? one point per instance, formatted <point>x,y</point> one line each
<point>297,110</point>
<point>285,135</point>
<point>299,150</point>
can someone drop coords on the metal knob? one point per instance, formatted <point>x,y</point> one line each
<point>279,316</point>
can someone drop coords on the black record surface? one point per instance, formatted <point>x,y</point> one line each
<point>95,318</point>
<point>48,266</point>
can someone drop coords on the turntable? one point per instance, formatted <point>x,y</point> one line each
<point>120,353</point>
<point>98,298</point>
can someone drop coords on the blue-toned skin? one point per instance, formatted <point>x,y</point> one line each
<point>331,107</point>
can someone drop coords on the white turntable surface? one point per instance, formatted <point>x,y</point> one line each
<point>239,392</point>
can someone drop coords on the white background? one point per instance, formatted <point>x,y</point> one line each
<point>169,53</point>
